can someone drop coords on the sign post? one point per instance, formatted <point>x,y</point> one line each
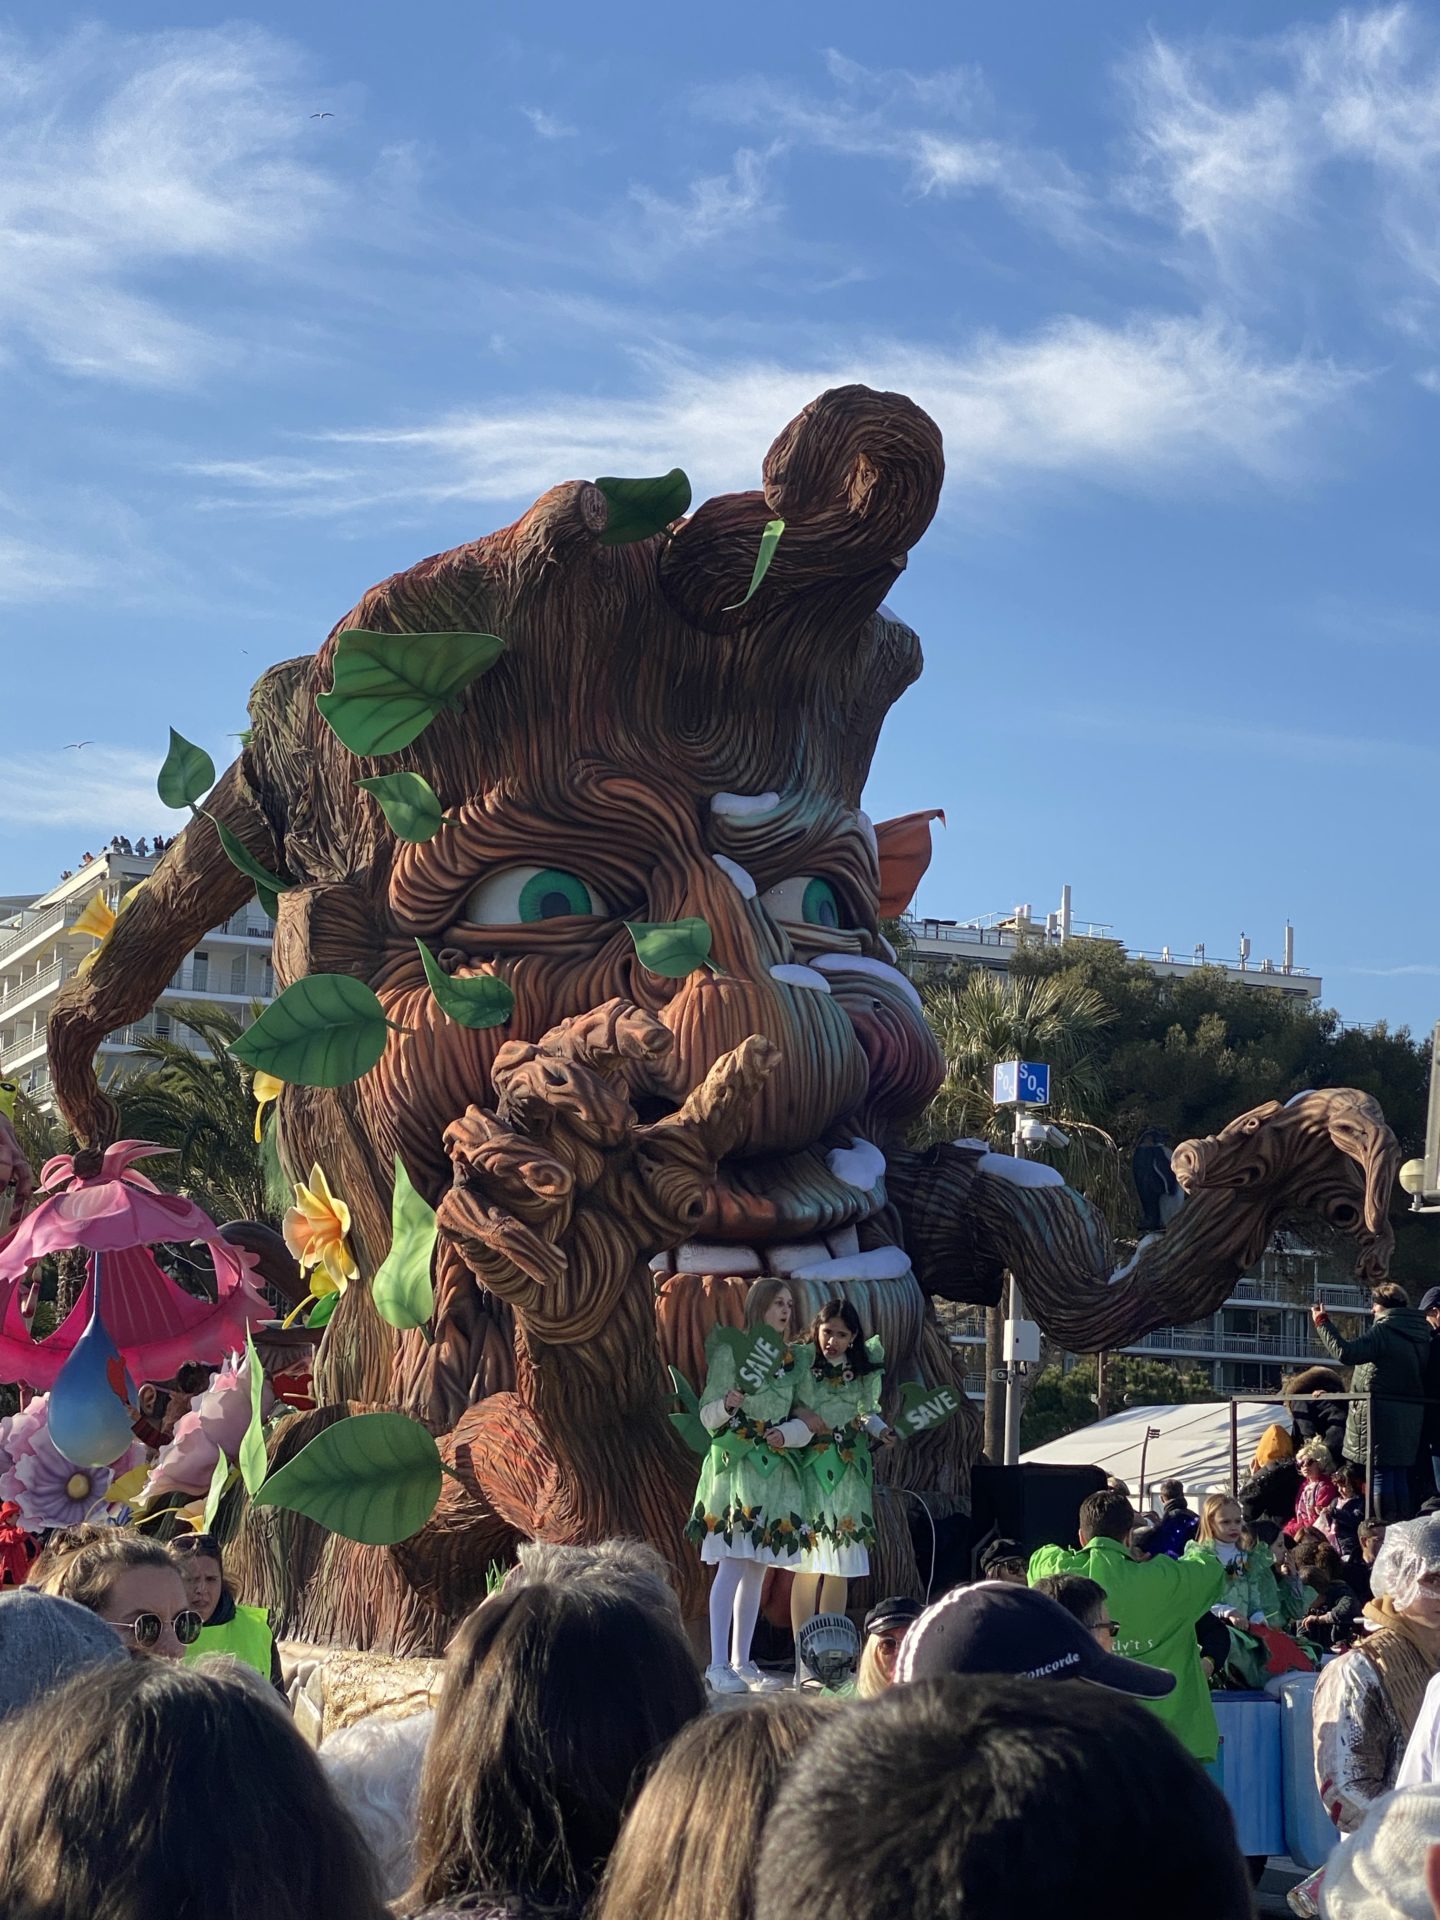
<point>1019,1084</point>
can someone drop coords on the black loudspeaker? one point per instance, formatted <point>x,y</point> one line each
<point>1038,1506</point>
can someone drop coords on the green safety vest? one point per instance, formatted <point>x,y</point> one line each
<point>247,1637</point>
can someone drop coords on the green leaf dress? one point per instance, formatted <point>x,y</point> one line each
<point>836,1469</point>
<point>748,1504</point>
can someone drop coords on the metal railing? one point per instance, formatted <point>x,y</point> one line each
<point>49,921</point>
<point>13,998</point>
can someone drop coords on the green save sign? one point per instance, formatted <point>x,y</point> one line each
<point>922,1408</point>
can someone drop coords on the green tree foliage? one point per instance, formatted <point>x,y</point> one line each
<point>1190,1053</point>
<point>1060,1403</point>
<point>201,1105</point>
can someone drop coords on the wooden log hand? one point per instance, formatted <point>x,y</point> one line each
<point>561,1194</point>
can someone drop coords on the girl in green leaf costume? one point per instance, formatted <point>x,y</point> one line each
<point>748,1514</point>
<point>838,1397</point>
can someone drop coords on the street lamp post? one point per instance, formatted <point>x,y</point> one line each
<point>1021,1085</point>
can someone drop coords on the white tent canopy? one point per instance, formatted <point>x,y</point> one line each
<point>1193,1446</point>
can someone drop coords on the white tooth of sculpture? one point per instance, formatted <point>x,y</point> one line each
<point>861,1164</point>
<point>794,1255</point>
<point>716,1256</point>
<point>794,975</point>
<point>879,1263</point>
<point>663,1263</point>
<point>876,969</point>
<point>742,806</point>
<point>734,872</point>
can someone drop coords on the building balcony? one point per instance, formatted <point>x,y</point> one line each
<point>34,928</point>
<point>20,994</point>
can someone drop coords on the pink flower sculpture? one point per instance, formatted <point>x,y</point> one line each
<point>156,1325</point>
<point>50,1490</point>
<point>215,1423</point>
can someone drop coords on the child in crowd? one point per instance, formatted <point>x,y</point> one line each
<point>749,1509</point>
<point>1251,1606</point>
<point>1345,1518</point>
<point>838,1396</point>
<point>1329,1622</point>
<point>1318,1493</point>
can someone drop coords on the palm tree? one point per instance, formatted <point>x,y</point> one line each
<point>200,1104</point>
<point>983,1019</point>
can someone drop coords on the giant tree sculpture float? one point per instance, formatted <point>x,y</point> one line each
<point>652,747</point>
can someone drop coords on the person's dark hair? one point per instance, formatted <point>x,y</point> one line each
<point>689,1846</point>
<point>1266,1530</point>
<point>1352,1479</point>
<point>1317,1556</point>
<point>89,1576</point>
<point>1172,1490</point>
<point>1106,1516</point>
<point>949,1788</point>
<point>857,1359</point>
<point>1390,1295</point>
<point>1371,1530</point>
<point>554,1705</point>
<point>1082,1598</point>
<point>134,1792</point>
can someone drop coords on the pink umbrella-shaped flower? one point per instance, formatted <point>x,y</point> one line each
<point>155,1325</point>
<point>214,1423</point>
<point>50,1490</point>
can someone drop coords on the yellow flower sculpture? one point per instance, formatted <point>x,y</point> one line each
<point>315,1229</point>
<point>265,1087</point>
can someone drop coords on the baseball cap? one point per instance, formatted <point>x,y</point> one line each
<point>1430,1300</point>
<point>998,1628</point>
<point>898,1611</point>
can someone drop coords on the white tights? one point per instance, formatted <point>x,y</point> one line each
<point>734,1609</point>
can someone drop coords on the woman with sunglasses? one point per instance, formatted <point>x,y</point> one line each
<point>226,1627</point>
<point>134,1585</point>
<point>886,1625</point>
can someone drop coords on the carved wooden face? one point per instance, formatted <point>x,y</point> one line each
<point>538,891</point>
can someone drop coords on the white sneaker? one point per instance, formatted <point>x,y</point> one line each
<point>724,1680</point>
<point>757,1681</point>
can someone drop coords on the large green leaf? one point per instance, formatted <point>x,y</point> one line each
<point>671,947</point>
<point>408,802</point>
<point>686,1419</point>
<point>251,1459</point>
<point>323,1031</point>
<point>374,1478</point>
<point>769,540</point>
<point>388,687</point>
<point>640,508</point>
<point>267,884</point>
<point>187,773</point>
<point>324,1307</point>
<point>922,1408</point>
<point>219,1481</point>
<point>481,1001</point>
<point>757,1352</point>
<point>402,1292</point>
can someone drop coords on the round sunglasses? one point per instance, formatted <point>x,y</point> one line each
<point>146,1628</point>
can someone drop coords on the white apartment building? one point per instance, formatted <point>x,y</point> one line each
<point>992,940</point>
<point>40,950</point>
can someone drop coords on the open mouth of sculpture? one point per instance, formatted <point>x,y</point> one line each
<point>798,1215</point>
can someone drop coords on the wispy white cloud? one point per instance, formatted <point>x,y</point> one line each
<point>716,208</point>
<point>548,125</point>
<point>99,789</point>
<point>123,160</point>
<point>1328,132</point>
<point>1426,967</point>
<point>1123,406</point>
<point>941,129</point>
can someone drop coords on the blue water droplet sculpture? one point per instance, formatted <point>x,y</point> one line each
<point>89,1414</point>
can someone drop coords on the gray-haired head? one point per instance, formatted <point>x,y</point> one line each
<point>627,1569</point>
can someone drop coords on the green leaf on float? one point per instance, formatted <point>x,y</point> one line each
<point>686,1418</point>
<point>388,687</point>
<point>769,540</point>
<point>319,1314</point>
<point>251,1457</point>
<point>642,508</point>
<point>325,1030</point>
<point>672,948</point>
<point>408,803</point>
<point>374,1477</point>
<point>267,884</point>
<point>402,1292</point>
<point>219,1481</point>
<point>922,1408</point>
<point>481,1001</point>
<point>187,773</point>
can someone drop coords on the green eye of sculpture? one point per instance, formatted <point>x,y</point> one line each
<point>520,896</point>
<point>819,907</point>
<point>804,900</point>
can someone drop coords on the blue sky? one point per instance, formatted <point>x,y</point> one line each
<point>1170,286</point>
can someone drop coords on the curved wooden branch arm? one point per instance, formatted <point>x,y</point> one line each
<point>193,889</point>
<point>1328,1153</point>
